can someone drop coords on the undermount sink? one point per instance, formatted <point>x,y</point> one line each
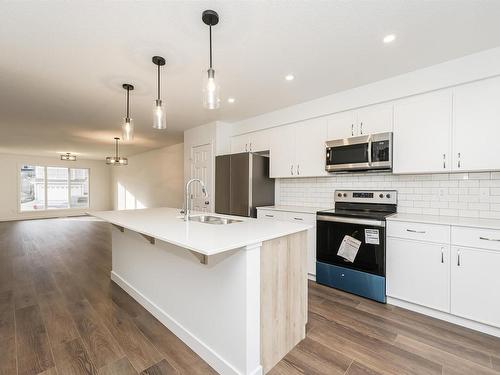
<point>207,219</point>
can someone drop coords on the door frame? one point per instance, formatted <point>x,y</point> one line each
<point>211,188</point>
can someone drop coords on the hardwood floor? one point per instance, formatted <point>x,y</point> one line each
<point>60,314</point>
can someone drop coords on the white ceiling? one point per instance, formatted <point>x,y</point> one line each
<point>62,63</point>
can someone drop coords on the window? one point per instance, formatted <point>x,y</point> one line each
<point>32,188</point>
<point>53,188</point>
<point>79,188</point>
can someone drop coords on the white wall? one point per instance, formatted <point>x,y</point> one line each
<point>100,188</point>
<point>466,69</point>
<point>151,179</point>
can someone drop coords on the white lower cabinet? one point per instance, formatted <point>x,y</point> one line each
<point>419,272</point>
<point>475,284</point>
<point>453,277</point>
<point>300,217</point>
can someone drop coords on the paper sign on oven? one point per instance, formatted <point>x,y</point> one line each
<point>349,248</point>
<point>372,236</point>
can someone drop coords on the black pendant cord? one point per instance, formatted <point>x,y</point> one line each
<point>158,82</point>
<point>210,46</point>
<point>128,101</point>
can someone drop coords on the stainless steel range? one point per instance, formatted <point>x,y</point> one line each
<point>350,247</point>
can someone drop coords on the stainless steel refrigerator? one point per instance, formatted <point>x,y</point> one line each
<point>242,184</point>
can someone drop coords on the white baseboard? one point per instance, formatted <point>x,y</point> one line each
<point>311,277</point>
<point>490,330</point>
<point>198,346</point>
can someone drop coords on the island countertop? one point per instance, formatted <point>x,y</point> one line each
<point>166,224</point>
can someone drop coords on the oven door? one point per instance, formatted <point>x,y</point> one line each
<point>370,257</point>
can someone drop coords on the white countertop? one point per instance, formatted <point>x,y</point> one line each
<point>304,210</point>
<point>447,220</point>
<point>166,224</point>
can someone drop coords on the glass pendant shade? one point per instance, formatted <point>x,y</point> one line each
<point>128,123</point>
<point>211,98</point>
<point>116,160</point>
<point>159,117</point>
<point>113,160</point>
<point>128,129</point>
<point>159,110</point>
<point>68,157</point>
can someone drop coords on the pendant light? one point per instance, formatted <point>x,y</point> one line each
<point>116,160</point>
<point>128,123</point>
<point>68,157</point>
<point>159,118</point>
<point>211,99</point>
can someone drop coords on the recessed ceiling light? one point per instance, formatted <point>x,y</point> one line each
<point>389,38</point>
<point>289,77</point>
<point>231,100</point>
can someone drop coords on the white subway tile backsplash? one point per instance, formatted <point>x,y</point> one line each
<point>457,194</point>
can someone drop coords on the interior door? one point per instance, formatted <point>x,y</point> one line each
<point>422,133</point>
<point>201,167</point>
<point>476,126</point>
<point>310,151</point>
<point>475,284</point>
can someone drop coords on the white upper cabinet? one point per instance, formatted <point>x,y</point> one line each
<point>251,142</point>
<point>342,125</point>
<point>476,124</point>
<point>298,150</point>
<point>310,138</point>
<point>282,153</point>
<point>239,143</point>
<point>368,120</point>
<point>375,119</point>
<point>422,133</point>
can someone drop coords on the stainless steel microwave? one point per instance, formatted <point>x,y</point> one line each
<point>363,153</point>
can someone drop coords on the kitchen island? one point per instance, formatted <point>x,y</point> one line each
<point>235,293</point>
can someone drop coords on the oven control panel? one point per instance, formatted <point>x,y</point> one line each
<point>367,196</point>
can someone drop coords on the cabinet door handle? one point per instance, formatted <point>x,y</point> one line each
<point>459,162</point>
<point>361,127</point>
<point>444,161</point>
<point>352,129</point>
<point>298,169</point>
<point>246,147</point>
<point>250,146</point>
<point>415,231</point>
<point>267,215</point>
<point>442,255</point>
<point>458,258</point>
<point>297,218</point>
<point>489,239</point>
<point>291,169</point>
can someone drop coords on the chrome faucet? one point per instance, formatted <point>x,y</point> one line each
<point>187,197</point>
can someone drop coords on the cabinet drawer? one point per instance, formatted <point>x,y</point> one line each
<point>419,231</point>
<point>476,237</point>
<point>270,215</point>
<point>300,217</point>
